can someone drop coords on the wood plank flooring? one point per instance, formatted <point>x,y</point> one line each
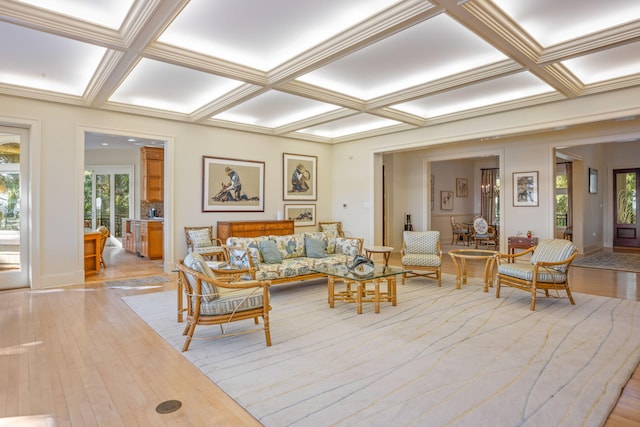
<point>78,356</point>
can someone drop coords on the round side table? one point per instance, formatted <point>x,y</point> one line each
<point>384,250</point>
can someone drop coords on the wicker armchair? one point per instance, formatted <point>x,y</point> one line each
<point>548,269</point>
<point>459,232</point>
<point>331,226</point>
<point>201,240</point>
<point>214,301</point>
<point>421,254</point>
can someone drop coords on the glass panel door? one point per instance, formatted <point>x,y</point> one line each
<point>626,230</point>
<point>107,197</point>
<point>13,209</point>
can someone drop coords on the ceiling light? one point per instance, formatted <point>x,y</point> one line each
<point>131,140</point>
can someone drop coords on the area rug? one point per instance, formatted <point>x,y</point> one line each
<point>442,356</point>
<point>138,282</point>
<point>611,261</point>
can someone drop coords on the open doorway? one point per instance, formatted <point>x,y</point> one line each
<point>112,195</point>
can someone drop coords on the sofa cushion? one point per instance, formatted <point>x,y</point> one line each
<point>347,246</point>
<point>290,245</point>
<point>330,238</point>
<point>525,272</point>
<point>196,262</point>
<point>234,301</point>
<point>248,242</point>
<point>315,248</point>
<point>270,252</point>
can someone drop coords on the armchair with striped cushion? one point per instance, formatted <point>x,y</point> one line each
<point>548,269</point>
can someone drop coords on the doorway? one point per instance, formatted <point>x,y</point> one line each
<point>14,230</point>
<point>626,231</point>
<point>112,192</point>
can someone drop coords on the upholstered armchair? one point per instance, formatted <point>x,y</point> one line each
<point>459,232</point>
<point>548,269</point>
<point>201,240</point>
<point>422,255</point>
<point>216,301</point>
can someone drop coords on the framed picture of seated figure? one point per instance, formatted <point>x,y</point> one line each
<point>232,185</point>
<point>299,177</point>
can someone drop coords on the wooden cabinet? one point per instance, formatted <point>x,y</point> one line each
<point>91,252</point>
<point>152,171</point>
<point>254,228</point>
<point>521,242</point>
<point>144,237</point>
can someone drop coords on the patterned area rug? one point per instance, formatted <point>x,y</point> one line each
<point>611,261</point>
<point>443,356</point>
<point>139,282</point>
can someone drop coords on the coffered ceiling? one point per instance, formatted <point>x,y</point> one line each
<point>327,71</point>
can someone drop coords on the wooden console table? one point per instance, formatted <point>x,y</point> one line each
<point>521,242</point>
<point>256,228</point>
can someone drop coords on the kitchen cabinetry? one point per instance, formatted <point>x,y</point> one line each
<point>253,228</point>
<point>144,237</point>
<point>152,167</point>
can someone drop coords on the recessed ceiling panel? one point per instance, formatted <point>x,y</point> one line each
<point>349,126</point>
<point>555,21</point>
<point>483,94</point>
<point>425,52</point>
<point>47,62</point>
<point>155,84</point>
<point>608,64</point>
<point>108,14</point>
<point>274,109</point>
<point>263,34</point>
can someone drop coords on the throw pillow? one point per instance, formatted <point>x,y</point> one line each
<point>330,228</point>
<point>196,262</point>
<point>315,248</point>
<point>270,253</point>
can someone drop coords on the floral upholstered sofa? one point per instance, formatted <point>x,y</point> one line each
<point>291,257</point>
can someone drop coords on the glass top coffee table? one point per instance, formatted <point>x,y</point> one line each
<point>381,274</point>
<point>460,257</point>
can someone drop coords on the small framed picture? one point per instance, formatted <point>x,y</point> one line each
<point>462,187</point>
<point>446,200</point>
<point>299,177</point>
<point>593,181</point>
<point>302,215</point>
<point>525,188</point>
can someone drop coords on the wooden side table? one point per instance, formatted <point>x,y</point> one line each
<point>521,242</point>
<point>384,250</point>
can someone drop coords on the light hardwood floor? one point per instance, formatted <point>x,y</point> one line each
<point>79,356</point>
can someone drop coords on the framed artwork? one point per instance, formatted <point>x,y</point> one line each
<point>302,215</point>
<point>299,177</point>
<point>593,181</point>
<point>446,200</point>
<point>232,185</point>
<point>462,187</point>
<point>525,188</point>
